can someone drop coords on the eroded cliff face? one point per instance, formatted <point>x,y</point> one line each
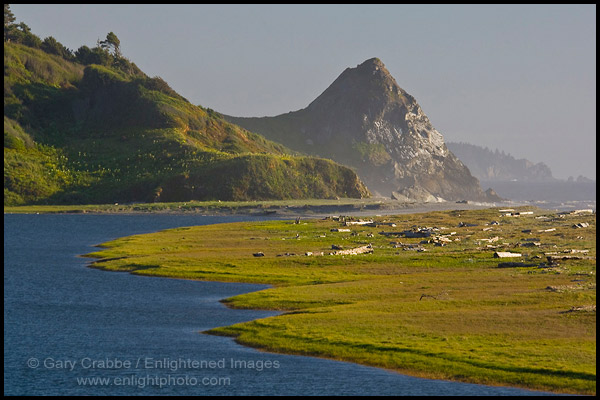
<point>365,120</point>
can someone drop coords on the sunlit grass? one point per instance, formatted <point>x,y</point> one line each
<point>447,312</point>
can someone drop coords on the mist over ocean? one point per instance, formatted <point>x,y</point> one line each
<point>553,195</point>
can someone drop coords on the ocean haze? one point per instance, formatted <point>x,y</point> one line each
<point>520,78</point>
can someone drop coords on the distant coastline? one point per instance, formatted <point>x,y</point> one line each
<point>552,191</point>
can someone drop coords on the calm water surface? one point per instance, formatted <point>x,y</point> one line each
<point>73,330</point>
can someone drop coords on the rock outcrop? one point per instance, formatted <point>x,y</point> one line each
<point>366,121</point>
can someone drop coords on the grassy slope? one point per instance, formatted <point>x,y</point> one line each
<point>37,170</point>
<point>120,137</point>
<point>477,323</point>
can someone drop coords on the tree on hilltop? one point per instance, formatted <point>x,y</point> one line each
<point>9,21</point>
<point>112,41</point>
<point>52,46</point>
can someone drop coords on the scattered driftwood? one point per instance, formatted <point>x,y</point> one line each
<point>581,225</point>
<point>340,230</point>
<point>439,241</point>
<point>310,253</point>
<point>565,257</point>
<point>516,214</point>
<point>360,222</point>
<point>376,224</point>
<point>421,233</point>
<point>408,246</point>
<point>419,248</point>
<point>358,250</point>
<point>568,255</point>
<point>575,212</point>
<point>506,254</point>
<point>490,240</point>
<point>567,251</point>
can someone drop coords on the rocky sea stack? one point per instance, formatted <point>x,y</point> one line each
<point>366,121</point>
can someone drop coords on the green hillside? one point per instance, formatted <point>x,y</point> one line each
<point>90,127</point>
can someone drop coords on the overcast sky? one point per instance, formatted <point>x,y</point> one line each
<point>518,78</point>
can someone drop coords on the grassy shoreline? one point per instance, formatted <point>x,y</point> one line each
<point>444,312</point>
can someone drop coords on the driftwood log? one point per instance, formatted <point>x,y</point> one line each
<point>358,250</point>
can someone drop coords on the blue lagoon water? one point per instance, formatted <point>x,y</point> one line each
<point>74,330</point>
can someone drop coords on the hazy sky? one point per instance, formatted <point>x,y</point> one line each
<point>519,78</point>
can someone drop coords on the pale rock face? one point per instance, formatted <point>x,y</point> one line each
<point>433,141</point>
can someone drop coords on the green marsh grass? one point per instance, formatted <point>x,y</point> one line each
<point>447,312</point>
